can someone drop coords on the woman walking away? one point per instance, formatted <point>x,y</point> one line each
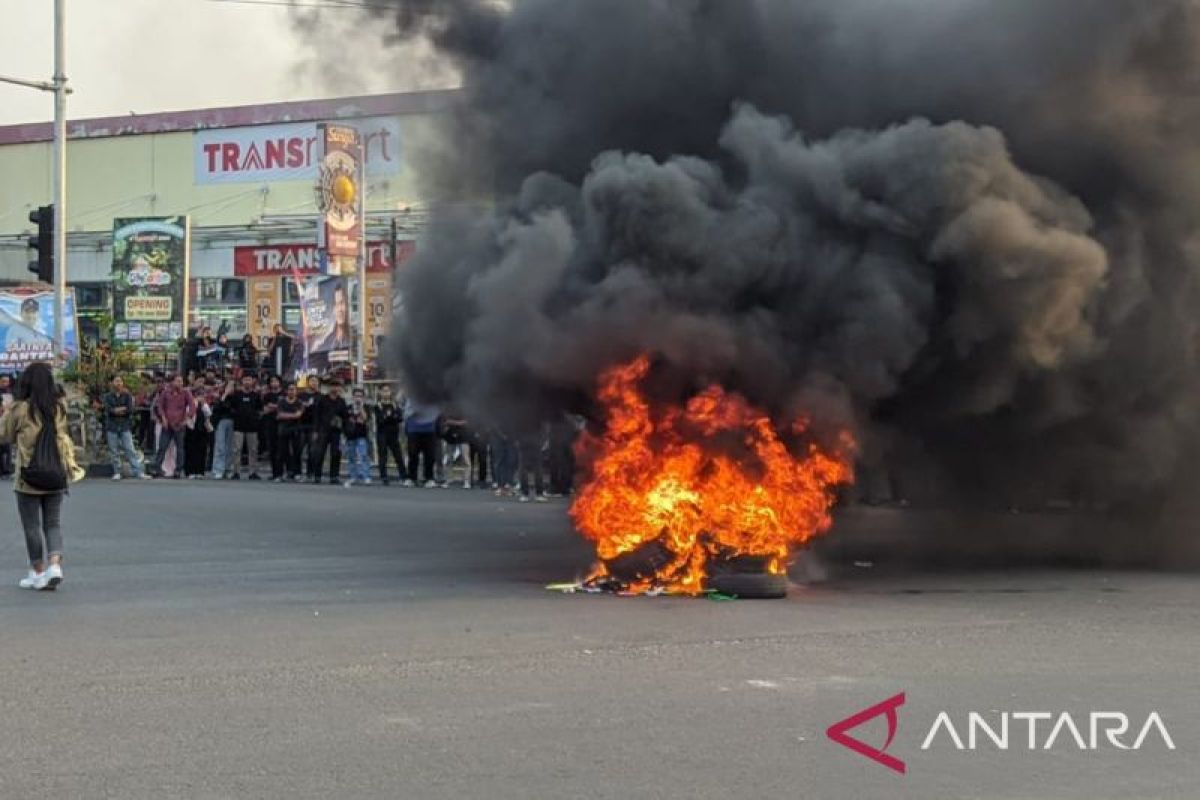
<point>44,467</point>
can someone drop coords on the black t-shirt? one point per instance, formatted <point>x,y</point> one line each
<point>354,428</point>
<point>330,414</point>
<point>245,408</point>
<point>309,401</point>
<point>290,407</point>
<point>270,398</point>
<point>388,417</point>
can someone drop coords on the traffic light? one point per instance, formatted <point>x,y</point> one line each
<point>43,243</point>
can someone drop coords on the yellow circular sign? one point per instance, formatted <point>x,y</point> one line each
<point>343,190</point>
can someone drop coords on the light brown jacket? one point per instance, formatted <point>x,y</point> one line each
<point>18,426</point>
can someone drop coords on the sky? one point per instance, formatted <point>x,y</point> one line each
<point>144,56</point>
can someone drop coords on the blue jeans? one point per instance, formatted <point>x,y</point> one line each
<point>121,442</point>
<point>360,463</point>
<point>504,464</point>
<point>223,448</point>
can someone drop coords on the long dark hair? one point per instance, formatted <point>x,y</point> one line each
<point>36,386</point>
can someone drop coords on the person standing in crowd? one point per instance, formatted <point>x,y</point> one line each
<point>248,354</point>
<point>118,429</point>
<point>310,393</point>
<point>286,455</point>
<point>222,420</point>
<point>269,430</point>
<point>504,462</point>
<point>329,420</point>
<point>562,458</point>
<point>246,408</point>
<point>357,446</point>
<point>279,351</point>
<point>173,408</point>
<point>420,428</point>
<point>39,402</point>
<point>457,439</point>
<point>198,432</point>
<point>223,354</point>
<point>6,402</point>
<point>388,417</point>
<point>530,450</point>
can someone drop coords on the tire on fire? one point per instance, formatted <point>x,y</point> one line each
<point>748,578</point>
<point>750,586</point>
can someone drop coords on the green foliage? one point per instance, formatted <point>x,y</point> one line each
<point>91,372</point>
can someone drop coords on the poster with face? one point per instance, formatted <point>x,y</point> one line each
<point>26,324</point>
<point>325,313</point>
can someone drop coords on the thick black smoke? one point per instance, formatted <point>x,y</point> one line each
<point>965,224</point>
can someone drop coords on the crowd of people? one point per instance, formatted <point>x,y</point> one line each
<point>237,424</point>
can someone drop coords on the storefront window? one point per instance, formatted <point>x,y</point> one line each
<point>219,303</point>
<point>92,304</point>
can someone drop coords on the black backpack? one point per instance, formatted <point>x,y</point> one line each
<point>45,471</point>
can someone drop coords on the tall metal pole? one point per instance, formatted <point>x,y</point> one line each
<point>363,255</point>
<point>58,333</point>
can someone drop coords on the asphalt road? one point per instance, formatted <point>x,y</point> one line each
<point>258,641</point>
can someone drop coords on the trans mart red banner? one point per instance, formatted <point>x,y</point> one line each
<point>304,259</point>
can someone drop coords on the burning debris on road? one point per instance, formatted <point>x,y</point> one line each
<point>672,493</point>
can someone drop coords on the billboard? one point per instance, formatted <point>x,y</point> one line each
<point>26,317</point>
<point>150,280</point>
<point>289,260</point>
<point>286,152</point>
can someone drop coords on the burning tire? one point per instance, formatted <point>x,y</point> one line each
<point>747,577</point>
<point>640,563</point>
<point>750,585</point>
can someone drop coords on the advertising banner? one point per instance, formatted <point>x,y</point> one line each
<point>288,152</point>
<point>379,312</point>
<point>339,194</point>
<point>264,309</point>
<point>150,280</point>
<point>288,260</point>
<point>325,311</point>
<point>26,317</point>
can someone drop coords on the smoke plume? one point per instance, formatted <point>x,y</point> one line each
<point>964,225</point>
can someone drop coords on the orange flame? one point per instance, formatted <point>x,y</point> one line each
<point>709,480</point>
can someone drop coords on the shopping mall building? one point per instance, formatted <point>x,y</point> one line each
<point>244,177</point>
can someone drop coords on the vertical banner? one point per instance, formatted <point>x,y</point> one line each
<point>379,311</point>
<point>264,308</point>
<point>325,309</point>
<point>150,269</point>
<point>339,197</point>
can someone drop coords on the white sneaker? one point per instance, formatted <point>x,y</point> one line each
<point>366,482</point>
<point>541,498</point>
<point>348,484</point>
<point>409,484</point>
<point>33,580</point>
<point>466,484</point>
<point>430,485</point>
<point>54,576</point>
<point>116,476</point>
<point>524,498</point>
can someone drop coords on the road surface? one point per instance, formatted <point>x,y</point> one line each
<point>257,641</point>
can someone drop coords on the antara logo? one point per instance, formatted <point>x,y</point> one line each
<point>1006,730</point>
<point>837,732</point>
<point>1113,724</point>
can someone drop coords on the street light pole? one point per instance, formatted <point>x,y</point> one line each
<point>59,87</point>
<point>58,333</point>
